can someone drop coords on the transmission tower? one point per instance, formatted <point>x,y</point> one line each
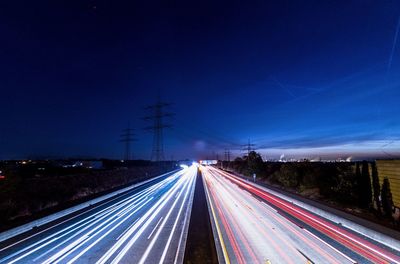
<point>157,116</point>
<point>227,157</point>
<point>127,137</point>
<point>248,147</point>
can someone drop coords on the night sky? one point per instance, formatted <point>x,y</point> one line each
<point>299,78</point>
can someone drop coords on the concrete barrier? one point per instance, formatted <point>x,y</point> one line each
<point>367,232</point>
<point>47,219</point>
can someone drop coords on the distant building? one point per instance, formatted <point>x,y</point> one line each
<point>208,162</point>
<point>390,169</point>
<point>90,164</point>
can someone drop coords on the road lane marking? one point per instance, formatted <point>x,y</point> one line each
<point>335,249</point>
<point>104,213</point>
<point>127,247</point>
<point>65,250</point>
<point>153,241</point>
<point>149,215</point>
<point>226,257</point>
<point>97,205</point>
<point>105,228</point>
<point>126,230</point>
<point>108,232</point>
<point>154,229</point>
<point>186,220</point>
<point>190,188</point>
<point>319,222</point>
<point>265,209</point>
<point>108,214</point>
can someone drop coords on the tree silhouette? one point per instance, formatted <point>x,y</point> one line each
<point>375,186</point>
<point>366,195</point>
<point>363,182</point>
<point>255,162</point>
<point>386,194</point>
<point>358,183</point>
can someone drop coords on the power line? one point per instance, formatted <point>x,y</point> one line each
<point>248,147</point>
<point>194,132</point>
<point>158,115</point>
<point>228,155</point>
<point>127,136</point>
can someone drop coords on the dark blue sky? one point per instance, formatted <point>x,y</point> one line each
<point>300,78</point>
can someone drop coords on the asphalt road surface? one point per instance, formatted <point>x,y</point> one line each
<point>146,225</point>
<point>254,226</point>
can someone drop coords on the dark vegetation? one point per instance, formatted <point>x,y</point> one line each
<point>32,187</point>
<point>353,185</point>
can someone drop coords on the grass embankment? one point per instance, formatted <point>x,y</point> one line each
<point>23,199</point>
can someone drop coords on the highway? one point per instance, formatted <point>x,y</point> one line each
<point>146,225</point>
<point>253,226</point>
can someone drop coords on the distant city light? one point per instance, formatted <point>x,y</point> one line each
<point>208,162</point>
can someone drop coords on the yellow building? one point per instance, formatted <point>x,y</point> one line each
<point>390,169</point>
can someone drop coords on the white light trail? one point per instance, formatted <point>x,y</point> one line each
<point>151,213</point>
<point>190,188</point>
<point>185,180</point>
<point>88,222</point>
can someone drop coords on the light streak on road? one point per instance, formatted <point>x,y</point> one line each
<point>120,230</point>
<point>260,230</point>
